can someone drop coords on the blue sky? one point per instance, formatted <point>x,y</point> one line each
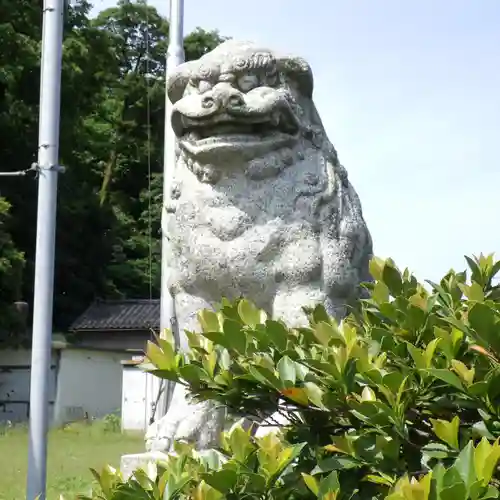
<point>409,92</point>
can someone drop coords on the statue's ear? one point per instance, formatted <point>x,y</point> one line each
<point>178,80</point>
<point>298,71</point>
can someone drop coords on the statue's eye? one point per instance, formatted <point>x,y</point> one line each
<point>248,82</point>
<point>204,86</point>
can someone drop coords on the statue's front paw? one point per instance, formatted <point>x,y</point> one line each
<point>160,435</point>
<point>158,443</point>
<point>193,423</point>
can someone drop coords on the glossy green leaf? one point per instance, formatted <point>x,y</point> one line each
<point>376,267</point>
<point>162,360</point>
<point>486,459</point>
<point>286,370</point>
<point>278,334</point>
<point>211,459</point>
<point>336,463</point>
<point>464,465</point>
<point>326,333</point>
<point>241,444</point>
<point>142,478</point>
<point>286,457</point>
<point>236,336</point>
<point>377,479</point>
<point>193,374</point>
<point>250,314</point>
<point>209,321</point>
<point>491,492</point>
<point>380,293</point>
<point>222,480</point>
<point>430,352</point>
<point>476,270</point>
<point>218,338</point>
<point>204,491</point>
<point>453,487</point>
<point>417,356</point>
<point>330,484</point>
<point>265,376</point>
<point>311,482</point>
<point>485,322</point>
<point>447,431</point>
<point>296,394</point>
<point>319,314</point>
<point>314,394</point>
<point>465,374</point>
<point>392,278</point>
<point>367,394</point>
<point>474,292</point>
<point>446,376</point>
<point>255,483</point>
<point>173,486</point>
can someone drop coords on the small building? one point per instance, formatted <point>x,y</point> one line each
<point>86,375</point>
<point>124,325</point>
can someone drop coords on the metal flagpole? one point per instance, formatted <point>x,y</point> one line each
<point>175,56</point>
<point>48,167</point>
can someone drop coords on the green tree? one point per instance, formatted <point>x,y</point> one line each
<point>132,117</point>
<point>11,270</point>
<point>112,119</point>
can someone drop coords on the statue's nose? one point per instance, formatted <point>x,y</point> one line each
<point>223,97</point>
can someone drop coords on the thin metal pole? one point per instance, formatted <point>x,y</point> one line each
<point>48,152</point>
<point>19,173</point>
<point>175,56</point>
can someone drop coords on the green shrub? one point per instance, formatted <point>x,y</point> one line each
<point>399,401</point>
<point>112,423</point>
<point>264,469</point>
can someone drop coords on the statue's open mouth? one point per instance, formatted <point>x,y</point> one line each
<point>242,134</point>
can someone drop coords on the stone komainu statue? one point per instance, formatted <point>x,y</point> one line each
<point>260,206</point>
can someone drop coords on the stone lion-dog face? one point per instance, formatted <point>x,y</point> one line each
<point>260,205</point>
<point>238,104</point>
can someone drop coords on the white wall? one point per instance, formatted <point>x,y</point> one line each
<point>140,391</point>
<point>89,382</point>
<point>15,384</point>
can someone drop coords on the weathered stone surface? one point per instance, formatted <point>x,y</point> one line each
<point>130,463</point>
<point>260,206</point>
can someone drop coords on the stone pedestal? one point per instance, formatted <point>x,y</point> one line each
<point>130,463</point>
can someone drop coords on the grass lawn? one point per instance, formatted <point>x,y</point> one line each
<point>72,451</point>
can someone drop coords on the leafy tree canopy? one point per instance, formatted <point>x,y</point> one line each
<point>112,121</point>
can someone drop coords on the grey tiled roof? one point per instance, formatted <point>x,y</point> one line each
<point>119,315</point>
